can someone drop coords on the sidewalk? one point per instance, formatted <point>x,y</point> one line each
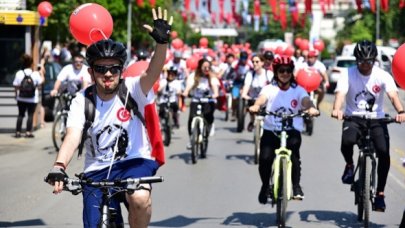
<point>10,144</point>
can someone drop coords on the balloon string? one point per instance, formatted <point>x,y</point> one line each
<point>96,30</point>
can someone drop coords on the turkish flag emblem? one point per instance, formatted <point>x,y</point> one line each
<point>123,115</point>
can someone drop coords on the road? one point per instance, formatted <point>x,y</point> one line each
<point>220,191</point>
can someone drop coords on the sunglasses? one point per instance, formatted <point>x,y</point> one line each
<point>114,69</point>
<point>284,70</point>
<point>366,61</point>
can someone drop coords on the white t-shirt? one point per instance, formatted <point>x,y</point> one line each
<point>318,65</point>
<point>203,89</point>
<point>170,90</point>
<point>70,74</point>
<point>109,117</point>
<point>362,90</point>
<point>283,101</point>
<point>257,81</point>
<point>181,68</point>
<point>36,77</point>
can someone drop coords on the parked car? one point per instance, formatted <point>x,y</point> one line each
<point>52,70</point>
<point>335,70</point>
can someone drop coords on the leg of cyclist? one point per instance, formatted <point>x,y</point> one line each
<point>140,207</point>
<point>252,116</point>
<point>174,107</point>
<point>350,136</point>
<point>294,144</point>
<point>209,109</point>
<point>266,158</point>
<point>381,139</point>
<point>321,93</point>
<point>193,109</point>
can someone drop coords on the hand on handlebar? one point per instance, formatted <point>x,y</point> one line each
<point>56,177</point>
<point>53,93</point>
<point>254,108</point>
<point>338,114</point>
<point>312,111</point>
<point>400,118</point>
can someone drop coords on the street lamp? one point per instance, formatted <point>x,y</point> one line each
<point>129,26</point>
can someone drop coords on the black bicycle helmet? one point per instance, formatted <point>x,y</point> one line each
<point>142,54</point>
<point>106,49</point>
<point>365,50</point>
<point>268,55</point>
<point>172,69</point>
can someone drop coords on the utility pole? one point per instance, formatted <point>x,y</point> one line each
<point>377,23</point>
<point>129,30</point>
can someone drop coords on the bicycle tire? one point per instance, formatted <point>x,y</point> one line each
<point>166,133</point>
<point>360,190</point>
<point>195,142</point>
<point>367,191</point>
<point>59,130</point>
<point>282,194</point>
<point>240,115</point>
<point>256,139</point>
<point>204,143</point>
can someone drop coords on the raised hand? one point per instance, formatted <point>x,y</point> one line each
<point>161,27</point>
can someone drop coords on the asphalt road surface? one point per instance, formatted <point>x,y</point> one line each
<point>219,191</point>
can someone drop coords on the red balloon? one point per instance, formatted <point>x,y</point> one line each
<point>298,41</point>
<point>289,51</point>
<point>135,69</point>
<point>304,45</point>
<point>319,45</point>
<point>173,35</point>
<point>90,23</point>
<point>204,42</point>
<point>192,62</point>
<point>308,78</point>
<point>279,50</point>
<point>177,43</point>
<point>45,9</point>
<point>398,66</point>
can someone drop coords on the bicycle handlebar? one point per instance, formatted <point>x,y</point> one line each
<point>74,185</point>
<point>387,119</point>
<point>283,115</point>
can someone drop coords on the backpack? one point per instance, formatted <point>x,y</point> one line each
<point>27,86</point>
<point>150,121</point>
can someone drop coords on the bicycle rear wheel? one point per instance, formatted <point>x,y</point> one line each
<point>59,130</point>
<point>195,142</point>
<point>282,194</point>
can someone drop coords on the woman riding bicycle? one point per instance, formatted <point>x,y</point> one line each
<point>202,83</point>
<point>282,95</point>
<point>170,88</point>
<point>255,80</point>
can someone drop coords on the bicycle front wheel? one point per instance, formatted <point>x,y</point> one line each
<point>257,143</point>
<point>367,191</point>
<point>195,142</point>
<point>59,130</point>
<point>204,143</point>
<point>240,115</point>
<point>282,194</point>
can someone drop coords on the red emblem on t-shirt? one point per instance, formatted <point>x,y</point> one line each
<point>123,114</point>
<point>294,103</point>
<point>376,89</point>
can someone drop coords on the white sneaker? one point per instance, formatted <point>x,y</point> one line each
<point>188,146</point>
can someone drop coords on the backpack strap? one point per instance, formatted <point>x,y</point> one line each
<point>89,113</point>
<point>131,103</point>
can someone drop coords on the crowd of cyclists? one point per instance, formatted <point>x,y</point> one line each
<point>261,80</point>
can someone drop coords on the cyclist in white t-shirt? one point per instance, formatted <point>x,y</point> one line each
<point>117,145</point>
<point>313,62</point>
<point>362,88</point>
<point>73,77</point>
<point>255,80</point>
<point>282,95</point>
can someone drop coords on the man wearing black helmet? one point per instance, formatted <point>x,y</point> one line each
<point>117,145</point>
<point>363,89</point>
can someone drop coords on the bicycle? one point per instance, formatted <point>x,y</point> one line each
<point>166,120</point>
<point>200,131</point>
<point>281,178</point>
<point>109,189</point>
<point>365,187</point>
<point>59,124</point>
<point>257,135</point>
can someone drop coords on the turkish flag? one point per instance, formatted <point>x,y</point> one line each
<point>256,8</point>
<point>308,6</point>
<point>385,5</point>
<point>139,3</point>
<point>274,9</point>
<point>359,8</point>
<point>372,5</point>
<point>402,4</point>
<point>152,3</point>
<point>187,5</point>
<point>283,15</point>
